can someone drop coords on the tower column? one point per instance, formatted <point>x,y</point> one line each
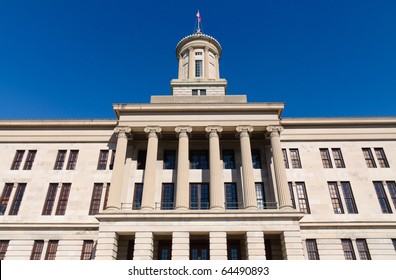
<point>114,199</point>
<point>180,66</point>
<point>150,168</point>
<point>183,169</point>
<point>206,63</point>
<point>249,188</point>
<point>279,166</point>
<point>191,64</point>
<point>216,170</point>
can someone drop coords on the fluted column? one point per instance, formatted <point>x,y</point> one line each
<point>148,202</point>
<point>249,188</point>
<point>216,185</point>
<point>183,169</point>
<point>206,63</point>
<point>114,199</point>
<point>191,64</point>
<point>180,67</point>
<point>279,166</point>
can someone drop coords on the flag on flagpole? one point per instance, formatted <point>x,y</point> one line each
<point>199,17</point>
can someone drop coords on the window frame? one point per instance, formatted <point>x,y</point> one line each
<point>381,157</point>
<point>256,159</point>
<point>231,196</point>
<point>72,161</point>
<point>295,158</point>
<point>167,196</point>
<point>363,250</point>
<point>17,201</point>
<point>382,197</point>
<point>30,159</point>
<point>228,159</point>
<point>96,199</point>
<point>199,159</point>
<point>335,198</point>
<point>349,199</point>
<point>202,191</point>
<point>169,165</point>
<point>3,248</point>
<point>347,247</point>
<point>52,248</point>
<point>37,250</point>
<point>338,158</point>
<point>60,159</point>
<point>102,161</point>
<point>87,250</point>
<point>137,196</point>
<point>63,199</point>
<point>302,197</point>
<point>18,158</point>
<point>326,159</point>
<point>369,158</point>
<point>50,199</point>
<point>312,249</point>
<point>5,197</point>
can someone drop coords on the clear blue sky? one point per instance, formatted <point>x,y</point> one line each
<point>72,59</point>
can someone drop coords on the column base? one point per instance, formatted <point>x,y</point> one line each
<point>111,209</point>
<point>147,209</point>
<point>216,208</point>
<point>181,209</point>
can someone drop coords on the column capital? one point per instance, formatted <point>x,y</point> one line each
<point>183,131</point>
<point>213,130</point>
<point>274,130</point>
<point>244,130</point>
<point>152,131</point>
<point>123,132</point>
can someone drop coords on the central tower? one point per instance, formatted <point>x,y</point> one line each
<point>198,55</point>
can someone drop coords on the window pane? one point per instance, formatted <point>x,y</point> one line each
<point>3,248</point>
<point>285,158</point>
<point>231,196</point>
<point>335,198</point>
<point>199,159</point>
<point>50,200</point>
<point>312,249</point>
<point>348,249</point>
<point>292,195</point>
<point>17,160</point>
<point>17,199</point>
<point>368,157</point>
<point>198,68</point>
<point>141,160</point>
<point>60,159</point>
<point>382,161</point>
<point>169,159</point>
<point>392,191</point>
<point>349,199</point>
<point>295,158</point>
<point>167,196</point>
<point>228,159</point>
<point>63,199</point>
<point>199,196</point>
<point>51,250</point>
<point>382,198</point>
<point>260,196</point>
<point>137,197</point>
<point>37,250</point>
<point>29,160</point>
<point>71,165</point>
<point>102,163</point>
<point>86,252</point>
<point>302,198</point>
<point>96,198</point>
<point>256,158</point>
<point>326,161</point>
<point>363,250</point>
<point>338,159</point>
<point>5,197</point>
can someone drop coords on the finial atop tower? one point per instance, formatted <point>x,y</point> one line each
<point>198,21</point>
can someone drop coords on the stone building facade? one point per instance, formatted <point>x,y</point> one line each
<point>198,175</point>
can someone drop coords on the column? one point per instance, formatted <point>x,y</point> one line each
<point>114,199</point>
<point>191,64</point>
<point>206,63</point>
<point>183,169</point>
<point>218,245</point>
<point>292,245</point>
<point>144,246</point>
<point>216,185</point>
<point>181,245</point>
<point>249,188</point>
<point>279,167</point>
<point>180,67</point>
<point>255,245</point>
<point>107,246</point>
<point>217,66</point>
<point>150,170</point>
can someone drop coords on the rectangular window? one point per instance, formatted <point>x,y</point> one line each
<point>260,196</point>
<point>302,198</point>
<point>71,164</point>
<point>382,198</point>
<point>382,161</point>
<point>368,157</point>
<point>312,249</point>
<point>194,92</point>
<point>292,195</point>
<point>168,196</point>
<point>295,158</point>
<point>87,248</point>
<point>199,159</point>
<point>169,159</point>
<point>199,196</point>
<point>5,197</point>
<point>231,196</point>
<point>102,163</point>
<point>17,199</point>
<point>3,248</point>
<point>131,249</point>
<point>17,160</point>
<point>363,249</point>
<point>51,250</point>
<point>228,159</point>
<point>37,250</point>
<point>348,197</point>
<point>394,243</point>
<point>29,160</point>
<point>141,160</point>
<point>164,249</point>
<point>60,159</point>
<point>202,92</point>
<point>338,159</point>
<point>349,253</point>
<point>256,159</point>
<point>137,196</point>
<point>392,191</point>
<point>95,199</point>
<point>198,68</point>
<point>50,200</point>
<point>326,160</point>
<point>63,199</point>
<point>335,198</point>
<point>284,152</point>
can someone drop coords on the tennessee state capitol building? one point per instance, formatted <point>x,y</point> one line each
<point>198,175</point>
